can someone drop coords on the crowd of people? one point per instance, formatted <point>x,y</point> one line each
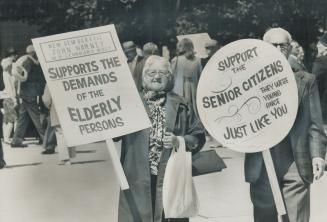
<point>299,159</point>
<point>26,97</point>
<point>168,88</point>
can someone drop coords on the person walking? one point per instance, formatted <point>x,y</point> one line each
<point>187,69</point>
<point>65,153</point>
<point>28,72</point>
<point>145,153</point>
<point>298,159</point>
<point>319,69</point>
<point>10,102</point>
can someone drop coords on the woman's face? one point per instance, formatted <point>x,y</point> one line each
<point>156,78</point>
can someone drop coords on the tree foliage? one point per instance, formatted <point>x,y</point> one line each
<point>162,20</point>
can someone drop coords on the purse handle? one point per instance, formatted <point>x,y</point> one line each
<point>182,146</point>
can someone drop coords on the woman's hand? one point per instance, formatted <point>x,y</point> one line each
<point>170,141</point>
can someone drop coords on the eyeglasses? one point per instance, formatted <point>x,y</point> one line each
<point>281,45</point>
<point>152,73</point>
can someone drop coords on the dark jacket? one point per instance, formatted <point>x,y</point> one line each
<point>296,64</point>
<point>307,136</point>
<point>319,69</point>
<point>34,85</point>
<point>135,204</point>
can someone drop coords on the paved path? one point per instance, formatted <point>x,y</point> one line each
<point>225,196</point>
<point>34,188</point>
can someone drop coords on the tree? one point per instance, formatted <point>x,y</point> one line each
<point>161,20</point>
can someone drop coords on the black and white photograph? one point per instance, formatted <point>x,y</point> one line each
<point>163,111</point>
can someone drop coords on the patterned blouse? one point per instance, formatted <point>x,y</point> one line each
<point>157,117</point>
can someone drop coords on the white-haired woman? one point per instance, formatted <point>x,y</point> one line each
<point>145,153</point>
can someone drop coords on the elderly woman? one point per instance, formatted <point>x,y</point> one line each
<point>149,49</point>
<point>145,153</point>
<point>187,69</point>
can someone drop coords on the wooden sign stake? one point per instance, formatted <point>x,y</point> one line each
<point>274,182</point>
<point>117,165</point>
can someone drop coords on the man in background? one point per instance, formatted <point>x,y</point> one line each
<point>133,58</point>
<point>296,57</point>
<point>319,69</point>
<point>31,83</point>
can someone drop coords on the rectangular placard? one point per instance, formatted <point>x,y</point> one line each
<point>92,87</point>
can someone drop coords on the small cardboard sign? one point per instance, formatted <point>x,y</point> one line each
<point>91,85</point>
<point>199,40</point>
<point>247,96</point>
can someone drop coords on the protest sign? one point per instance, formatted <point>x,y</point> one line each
<point>199,40</point>
<point>91,86</point>
<point>247,99</point>
<point>247,96</point>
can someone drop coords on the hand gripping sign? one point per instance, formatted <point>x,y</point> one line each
<point>92,88</point>
<point>247,99</point>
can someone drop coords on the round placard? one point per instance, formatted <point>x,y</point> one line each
<point>247,96</point>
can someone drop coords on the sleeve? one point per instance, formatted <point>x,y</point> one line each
<point>317,136</point>
<point>12,86</point>
<point>46,97</point>
<point>195,134</point>
<point>21,68</point>
<point>200,69</point>
<point>27,64</point>
<point>6,65</point>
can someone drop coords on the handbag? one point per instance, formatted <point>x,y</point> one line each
<point>179,196</point>
<point>206,162</point>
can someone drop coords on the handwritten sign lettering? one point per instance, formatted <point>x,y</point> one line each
<point>247,96</point>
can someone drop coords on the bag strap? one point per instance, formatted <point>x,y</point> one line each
<point>182,146</point>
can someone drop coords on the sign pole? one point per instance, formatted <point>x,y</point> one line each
<point>116,164</point>
<point>274,182</point>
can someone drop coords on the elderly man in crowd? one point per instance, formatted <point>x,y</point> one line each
<point>298,159</point>
<point>31,84</point>
<point>296,57</point>
<point>133,58</point>
<point>134,61</point>
<point>320,70</point>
